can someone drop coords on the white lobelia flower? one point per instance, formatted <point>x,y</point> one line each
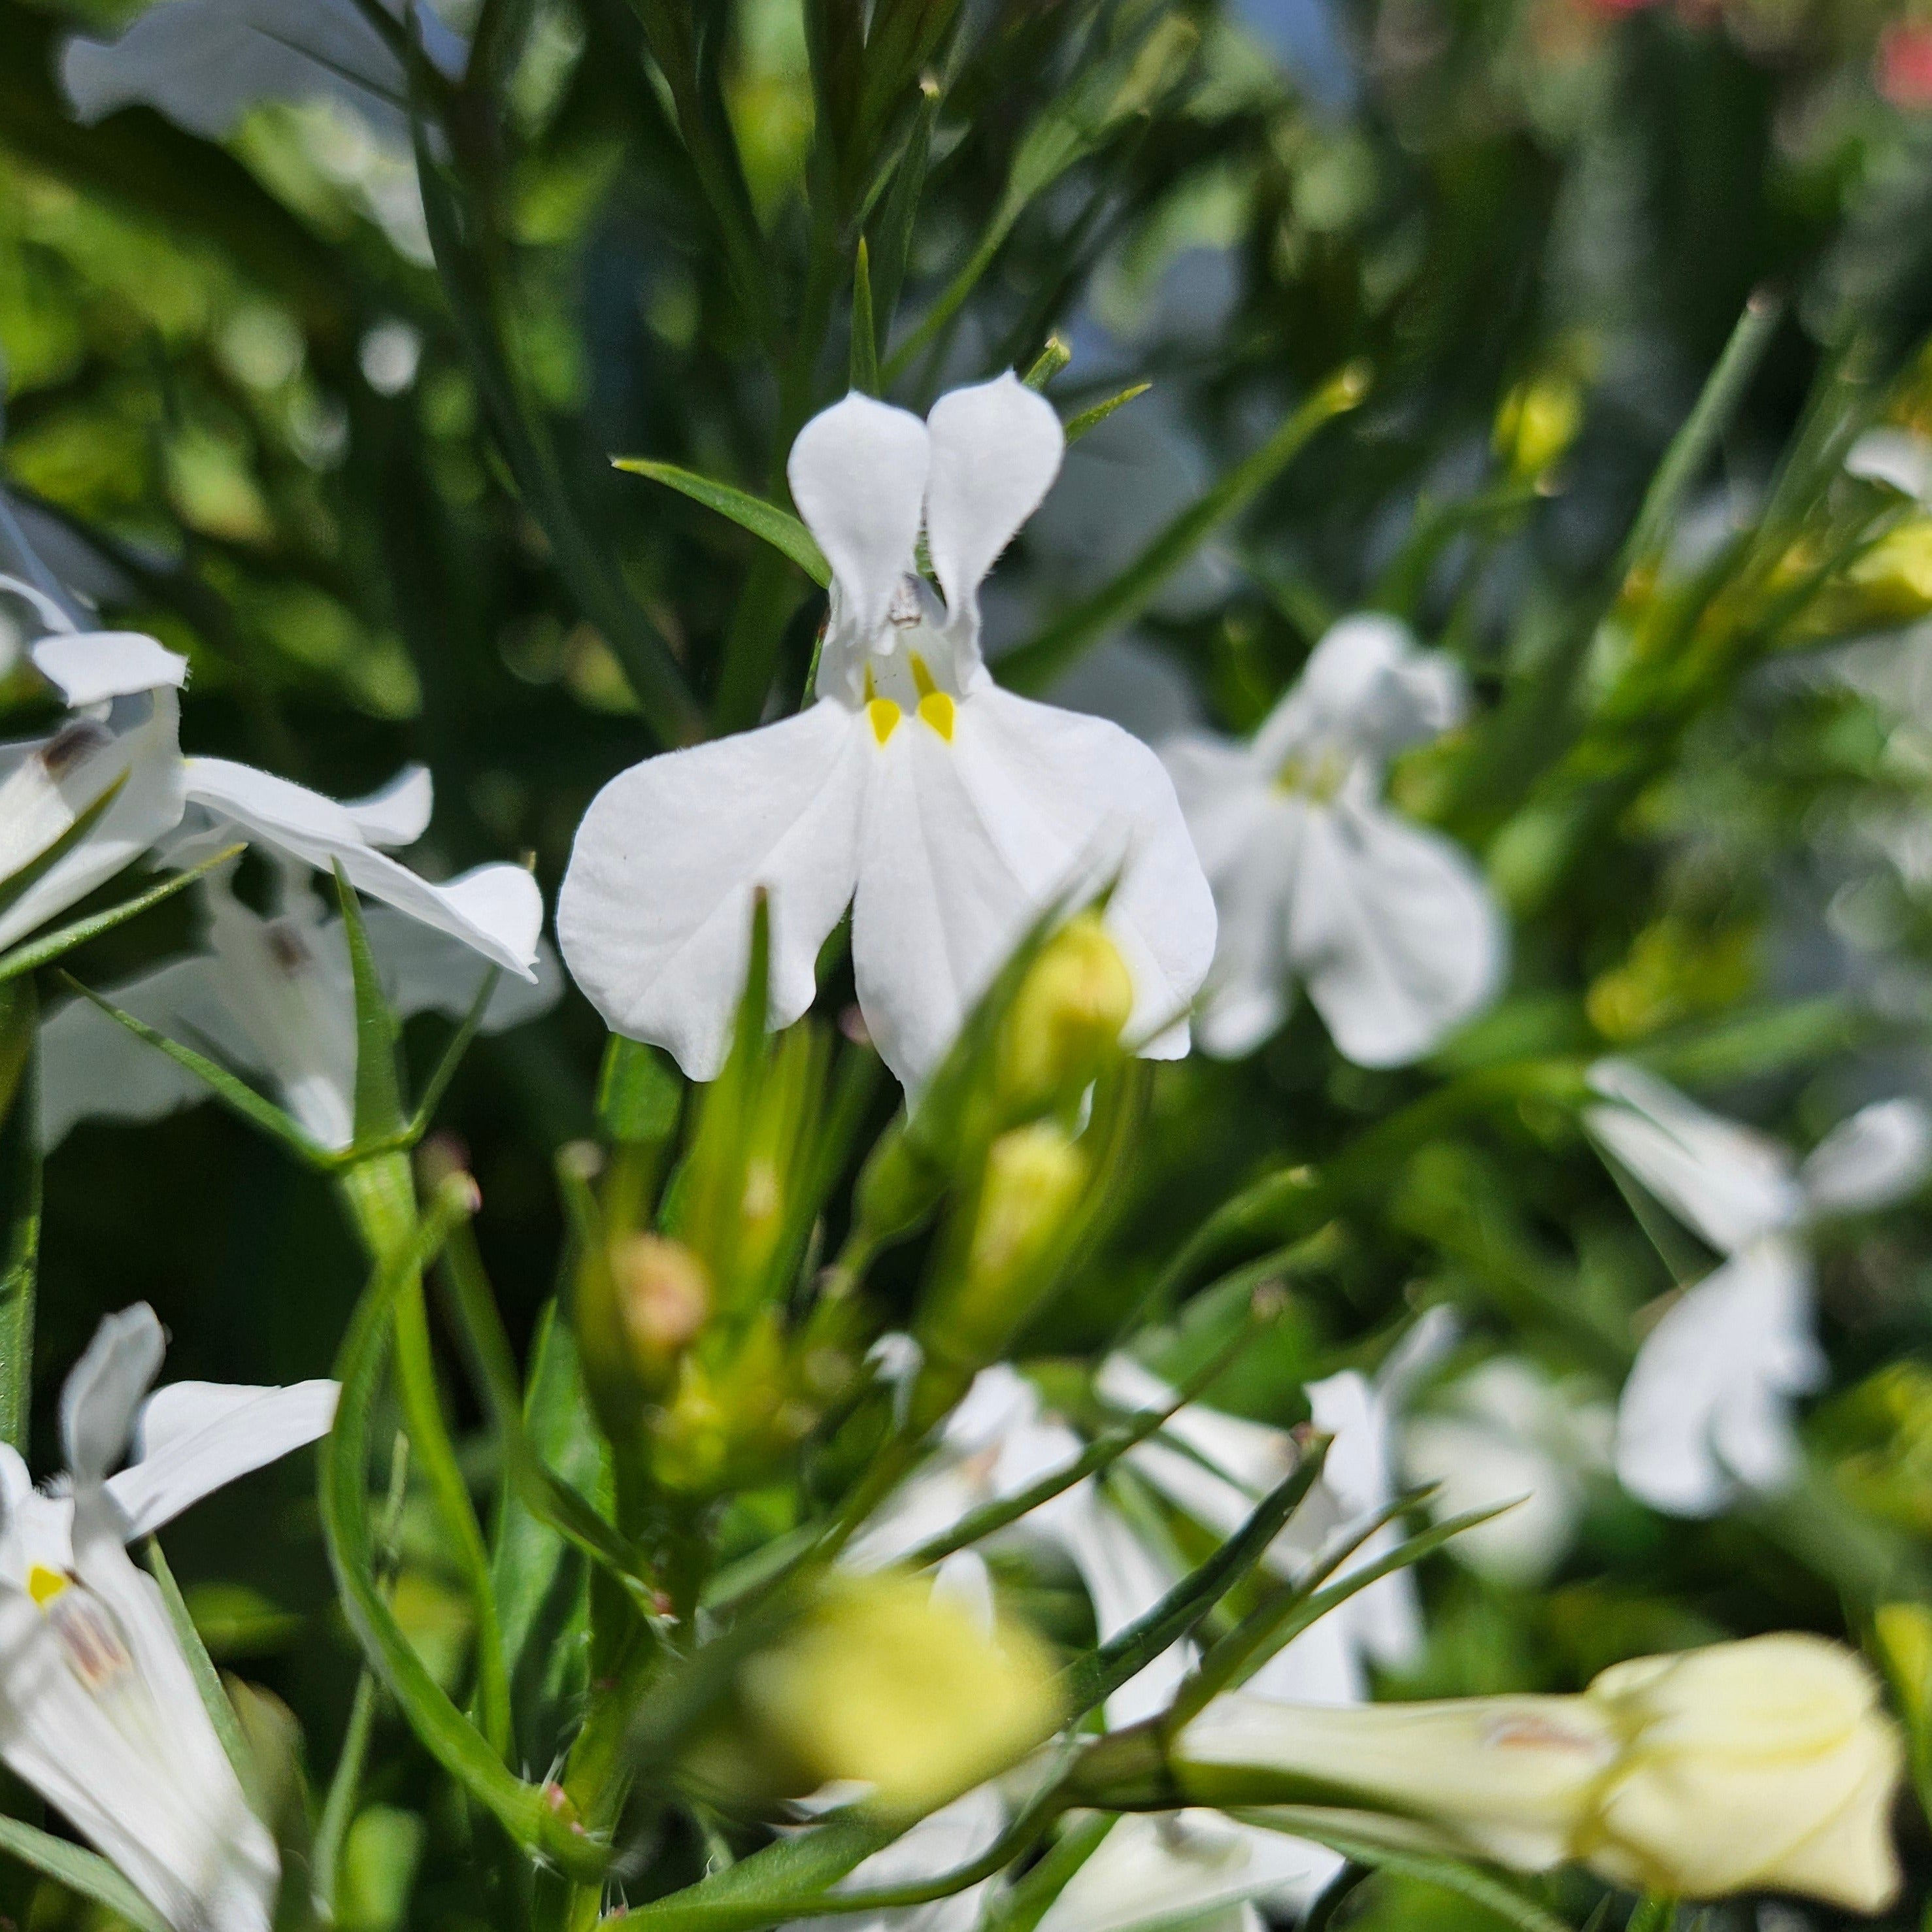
<point>948,814</point>
<point>1390,926</point>
<point>1900,458</point>
<point>267,996</point>
<point>1508,1432</point>
<point>77,806</point>
<point>1706,1409</point>
<point>81,803</point>
<point>204,64</point>
<point>99,1711</point>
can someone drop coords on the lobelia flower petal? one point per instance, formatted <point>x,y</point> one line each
<point>104,1389</point>
<point>426,971</point>
<point>858,474</point>
<point>46,787</point>
<point>965,843</point>
<point>92,666</point>
<point>1248,835</point>
<point>191,1438</point>
<point>1393,930</point>
<point>1175,1868</point>
<point>1875,1159</point>
<point>655,917</point>
<point>398,813</point>
<point>1366,691</point>
<point>1727,1183</point>
<point>496,909</point>
<point>144,1816</point>
<point>1705,1408</point>
<point>92,1068</point>
<point>212,1854</point>
<point>996,449</point>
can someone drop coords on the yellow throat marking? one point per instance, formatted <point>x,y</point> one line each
<point>935,707</point>
<point>44,1585</point>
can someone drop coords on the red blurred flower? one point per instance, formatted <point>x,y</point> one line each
<point>1905,65</point>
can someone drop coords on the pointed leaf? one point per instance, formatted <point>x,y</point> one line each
<point>779,528</point>
<point>459,1043</point>
<point>84,1873</point>
<point>201,1667</point>
<point>770,1887</point>
<point>379,1092</point>
<point>234,1095</point>
<point>865,376</point>
<point>49,946</point>
<point>1093,419</point>
<point>19,1204</point>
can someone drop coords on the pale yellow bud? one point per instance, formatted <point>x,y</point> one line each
<point>1762,1765</point>
<point>890,1685</point>
<point>663,1298</point>
<point>1891,583</point>
<point>1766,1765</point>
<point>1033,1182</point>
<point>1067,1017</point>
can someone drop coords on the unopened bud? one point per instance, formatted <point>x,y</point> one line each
<point>664,1300</point>
<point>1066,1021</point>
<point>1537,423</point>
<point>1763,1765</point>
<point>1034,1179</point>
<point>890,1685</point>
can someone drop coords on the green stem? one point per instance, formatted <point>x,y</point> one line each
<point>380,1193</point>
<point>20,1204</point>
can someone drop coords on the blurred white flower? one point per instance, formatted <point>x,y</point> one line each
<point>99,1711</point>
<point>1216,1468</point>
<point>266,996</point>
<point>204,64</point>
<point>1706,1409</point>
<point>1507,1432</point>
<point>1389,925</point>
<point>948,813</point>
<point>81,803</point>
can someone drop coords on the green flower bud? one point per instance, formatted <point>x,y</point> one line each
<point>1065,1024</point>
<point>1033,1182</point>
<point>663,1297</point>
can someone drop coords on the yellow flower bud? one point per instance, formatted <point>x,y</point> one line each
<point>1766,1765</point>
<point>663,1298</point>
<point>890,1684</point>
<point>1033,1182</point>
<point>1895,577</point>
<point>1066,1019</point>
<point>1537,423</point>
<point>1763,1765</point>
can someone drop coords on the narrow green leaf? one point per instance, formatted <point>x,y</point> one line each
<point>238,1098</point>
<point>1093,419</point>
<point>201,1667</point>
<point>779,528</point>
<point>771,1886</point>
<point>84,1873</point>
<point>49,945</point>
<point>1048,364</point>
<point>1035,665</point>
<point>343,1494</point>
<point>1485,1889</point>
<point>459,1043</point>
<point>1697,440</point>
<point>865,376</point>
<point>378,1090</point>
<point>1089,1680</point>
<point>640,1093</point>
<point>894,227</point>
<point>1021,1906</point>
<point>20,1204</point>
